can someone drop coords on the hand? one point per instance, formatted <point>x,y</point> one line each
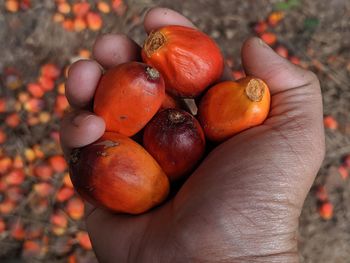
<point>243,202</point>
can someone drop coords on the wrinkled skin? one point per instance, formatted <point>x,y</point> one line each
<point>243,203</point>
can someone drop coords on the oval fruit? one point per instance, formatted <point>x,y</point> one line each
<point>231,107</point>
<point>176,140</point>
<point>188,59</point>
<point>117,173</point>
<point>128,96</point>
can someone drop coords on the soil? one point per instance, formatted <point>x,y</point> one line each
<point>318,32</point>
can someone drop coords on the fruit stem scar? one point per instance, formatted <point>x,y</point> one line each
<point>154,41</point>
<point>255,90</point>
<point>152,73</point>
<point>176,117</point>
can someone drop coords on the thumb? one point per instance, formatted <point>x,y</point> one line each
<point>295,91</point>
<point>261,61</point>
<point>296,113</point>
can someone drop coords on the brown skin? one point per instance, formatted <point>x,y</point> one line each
<point>188,59</point>
<point>176,140</point>
<point>231,107</point>
<point>123,91</point>
<point>117,173</point>
<point>243,203</point>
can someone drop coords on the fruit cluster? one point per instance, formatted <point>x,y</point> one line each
<point>142,104</point>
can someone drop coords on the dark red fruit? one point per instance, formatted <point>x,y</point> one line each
<point>176,140</point>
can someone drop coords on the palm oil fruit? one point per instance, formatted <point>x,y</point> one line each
<point>176,140</point>
<point>118,174</point>
<point>188,59</point>
<point>123,91</point>
<point>231,107</point>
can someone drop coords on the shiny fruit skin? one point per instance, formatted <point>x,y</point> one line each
<point>176,140</point>
<point>128,96</point>
<point>231,107</point>
<point>188,59</point>
<point>117,173</point>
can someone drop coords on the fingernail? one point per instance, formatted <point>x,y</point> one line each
<point>80,118</point>
<point>262,43</point>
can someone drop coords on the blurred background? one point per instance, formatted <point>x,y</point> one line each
<point>41,216</point>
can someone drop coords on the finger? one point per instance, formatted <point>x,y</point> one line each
<point>158,17</point>
<point>261,61</point>
<point>296,108</point>
<point>79,129</point>
<point>113,49</point>
<point>83,77</point>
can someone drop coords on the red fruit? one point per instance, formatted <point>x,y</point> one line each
<point>84,240</point>
<point>188,59</point>
<point>5,164</point>
<point>15,194</point>
<point>2,226</point>
<point>15,177</point>
<point>330,122</point>
<point>269,38</point>
<point>35,90</point>
<point>59,219</point>
<point>282,51</point>
<point>43,189</point>
<point>17,230</point>
<point>31,249</point>
<point>13,120</point>
<point>64,194</point>
<point>58,163</point>
<point>7,207</point>
<point>3,136</point>
<point>176,140</point>
<point>81,9</point>
<point>117,173</point>
<point>50,70</point>
<point>43,171</point>
<point>47,83</point>
<point>343,171</point>
<point>260,27</point>
<point>75,208</point>
<point>128,96</point>
<point>94,21</point>
<point>326,210</point>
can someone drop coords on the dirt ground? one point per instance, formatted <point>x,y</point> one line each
<point>318,32</point>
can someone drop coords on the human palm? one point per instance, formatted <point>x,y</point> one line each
<point>243,202</point>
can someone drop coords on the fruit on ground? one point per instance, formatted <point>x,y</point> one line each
<point>117,173</point>
<point>176,140</point>
<point>188,59</point>
<point>231,107</point>
<point>128,96</point>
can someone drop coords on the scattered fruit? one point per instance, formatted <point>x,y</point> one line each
<point>326,210</point>
<point>330,122</point>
